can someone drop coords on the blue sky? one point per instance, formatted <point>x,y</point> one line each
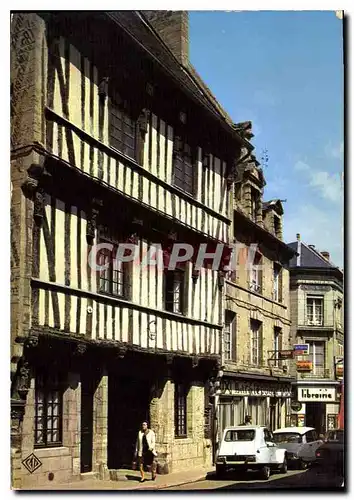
<point>284,72</point>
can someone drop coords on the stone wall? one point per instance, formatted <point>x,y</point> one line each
<point>177,454</point>
<point>59,464</point>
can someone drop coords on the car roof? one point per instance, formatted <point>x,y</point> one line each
<point>299,430</point>
<point>244,427</point>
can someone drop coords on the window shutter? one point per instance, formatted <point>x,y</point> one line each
<point>280,285</point>
<point>260,276</point>
<point>260,343</point>
<point>234,339</point>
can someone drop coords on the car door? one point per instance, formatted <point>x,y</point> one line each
<point>270,446</point>
<point>312,443</point>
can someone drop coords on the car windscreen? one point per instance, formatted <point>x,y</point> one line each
<point>287,437</point>
<point>240,435</point>
<point>337,436</point>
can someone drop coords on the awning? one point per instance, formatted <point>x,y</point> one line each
<point>256,376</point>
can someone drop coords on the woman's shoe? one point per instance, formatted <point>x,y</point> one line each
<point>142,480</point>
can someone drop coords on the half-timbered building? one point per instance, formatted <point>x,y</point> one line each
<point>115,139</point>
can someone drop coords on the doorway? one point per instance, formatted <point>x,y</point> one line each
<point>128,407</point>
<point>86,443</point>
<point>316,416</point>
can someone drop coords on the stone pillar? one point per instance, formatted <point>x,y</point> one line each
<point>162,422</point>
<point>100,427</point>
<point>72,420</point>
<point>28,88</point>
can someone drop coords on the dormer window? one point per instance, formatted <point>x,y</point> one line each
<point>277,226</point>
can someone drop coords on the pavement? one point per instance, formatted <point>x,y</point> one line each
<point>129,480</point>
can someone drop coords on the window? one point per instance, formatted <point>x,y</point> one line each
<point>277,226</point>
<point>183,172</point>
<point>112,279</point>
<point>244,435</point>
<point>48,411</point>
<point>180,410</point>
<point>229,341</point>
<point>231,412</point>
<point>257,409</point>
<point>287,437</point>
<point>256,343</point>
<point>315,311</point>
<point>311,436</point>
<point>122,129</point>
<point>256,274</point>
<point>317,356</point>
<point>340,350</point>
<point>277,282</point>
<point>174,290</point>
<point>268,438</point>
<point>277,344</point>
<point>254,204</point>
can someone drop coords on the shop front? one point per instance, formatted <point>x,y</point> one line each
<point>315,405</point>
<point>266,401</point>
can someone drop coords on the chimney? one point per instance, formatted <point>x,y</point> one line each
<point>325,255</point>
<point>172,26</point>
<point>298,236</point>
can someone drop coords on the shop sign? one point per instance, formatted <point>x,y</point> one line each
<point>286,354</point>
<point>339,371</point>
<point>317,394</point>
<point>236,388</point>
<point>304,366</point>
<point>300,349</point>
<point>296,405</point>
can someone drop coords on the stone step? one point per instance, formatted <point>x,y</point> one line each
<point>86,476</point>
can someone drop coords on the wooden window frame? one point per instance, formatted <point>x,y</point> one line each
<point>256,339</point>
<point>180,409</point>
<point>255,284</point>
<point>184,156</point>
<point>123,269</point>
<point>119,107</point>
<point>176,275</point>
<point>44,386</point>
<point>312,321</point>
<point>312,356</point>
<point>230,322</point>
<point>278,340</point>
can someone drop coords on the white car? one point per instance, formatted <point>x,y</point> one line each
<point>250,447</point>
<point>300,443</point>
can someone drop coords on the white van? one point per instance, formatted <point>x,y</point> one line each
<point>250,447</point>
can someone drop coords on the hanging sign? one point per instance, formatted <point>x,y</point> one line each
<point>339,371</point>
<point>286,354</point>
<point>304,366</point>
<point>300,349</point>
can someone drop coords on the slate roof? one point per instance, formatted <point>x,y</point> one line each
<point>135,24</point>
<point>309,257</point>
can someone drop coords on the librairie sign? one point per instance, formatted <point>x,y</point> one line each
<point>300,349</point>
<point>316,394</point>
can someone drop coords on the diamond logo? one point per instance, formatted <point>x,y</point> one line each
<point>31,463</point>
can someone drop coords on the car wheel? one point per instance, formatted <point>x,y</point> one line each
<point>302,464</point>
<point>220,470</point>
<point>265,473</point>
<point>284,467</point>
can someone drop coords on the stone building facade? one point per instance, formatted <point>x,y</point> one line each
<point>256,377</point>
<point>316,295</point>
<point>113,142</point>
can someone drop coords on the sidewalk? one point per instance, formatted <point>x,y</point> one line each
<point>131,481</point>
